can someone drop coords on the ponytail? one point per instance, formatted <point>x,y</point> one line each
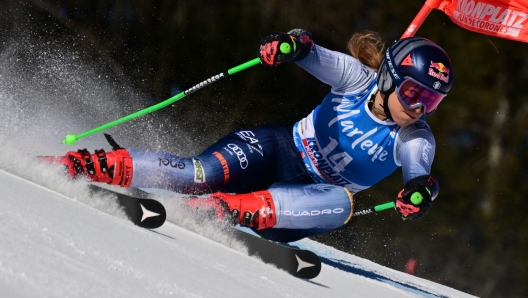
<point>367,47</point>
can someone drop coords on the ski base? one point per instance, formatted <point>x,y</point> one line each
<point>297,262</point>
<point>300,263</point>
<point>144,212</point>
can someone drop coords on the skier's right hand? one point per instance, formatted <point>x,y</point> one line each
<point>416,197</point>
<point>113,167</point>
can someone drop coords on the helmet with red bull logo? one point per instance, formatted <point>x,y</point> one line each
<point>419,70</point>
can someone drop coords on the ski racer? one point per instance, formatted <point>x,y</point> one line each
<point>287,183</point>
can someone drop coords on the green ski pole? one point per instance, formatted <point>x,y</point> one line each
<point>374,209</point>
<point>70,139</point>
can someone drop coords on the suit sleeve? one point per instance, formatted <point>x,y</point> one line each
<point>415,150</point>
<point>344,73</point>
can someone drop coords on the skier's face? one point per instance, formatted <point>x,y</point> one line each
<point>402,115</point>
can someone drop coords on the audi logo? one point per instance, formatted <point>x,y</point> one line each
<point>240,155</point>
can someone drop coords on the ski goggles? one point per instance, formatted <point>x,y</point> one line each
<point>413,94</point>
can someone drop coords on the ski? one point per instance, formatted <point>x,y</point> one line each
<point>297,262</point>
<point>141,210</point>
<point>300,263</point>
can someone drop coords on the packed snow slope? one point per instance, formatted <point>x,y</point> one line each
<point>53,245</point>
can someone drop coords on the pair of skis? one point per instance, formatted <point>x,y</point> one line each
<point>148,213</point>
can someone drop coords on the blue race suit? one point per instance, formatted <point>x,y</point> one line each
<point>339,145</point>
<point>343,143</point>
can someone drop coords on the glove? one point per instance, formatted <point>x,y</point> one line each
<point>416,197</point>
<point>115,167</point>
<point>278,47</point>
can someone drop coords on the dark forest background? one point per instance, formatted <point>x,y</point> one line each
<point>475,237</point>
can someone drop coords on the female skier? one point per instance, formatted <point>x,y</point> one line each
<point>287,183</point>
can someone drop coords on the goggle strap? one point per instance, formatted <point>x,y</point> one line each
<point>385,107</point>
<point>392,68</point>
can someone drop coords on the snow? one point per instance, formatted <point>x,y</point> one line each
<point>53,245</point>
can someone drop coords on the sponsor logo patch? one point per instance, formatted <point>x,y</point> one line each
<point>439,70</point>
<point>240,155</point>
<point>199,173</point>
<point>225,167</point>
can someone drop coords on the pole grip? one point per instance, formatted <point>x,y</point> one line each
<point>385,206</point>
<point>374,209</point>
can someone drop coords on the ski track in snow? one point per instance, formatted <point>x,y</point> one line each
<point>53,246</point>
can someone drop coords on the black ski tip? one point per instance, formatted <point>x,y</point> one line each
<point>308,266</point>
<point>143,212</point>
<point>150,215</point>
<point>300,263</point>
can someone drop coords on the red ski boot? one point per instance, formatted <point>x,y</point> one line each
<point>113,167</point>
<point>255,210</point>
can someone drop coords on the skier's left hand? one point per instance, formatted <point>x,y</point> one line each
<point>279,47</point>
<point>276,48</point>
<point>415,199</point>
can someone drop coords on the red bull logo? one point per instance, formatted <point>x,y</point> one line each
<point>439,71</point>
<point>440,67</point>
